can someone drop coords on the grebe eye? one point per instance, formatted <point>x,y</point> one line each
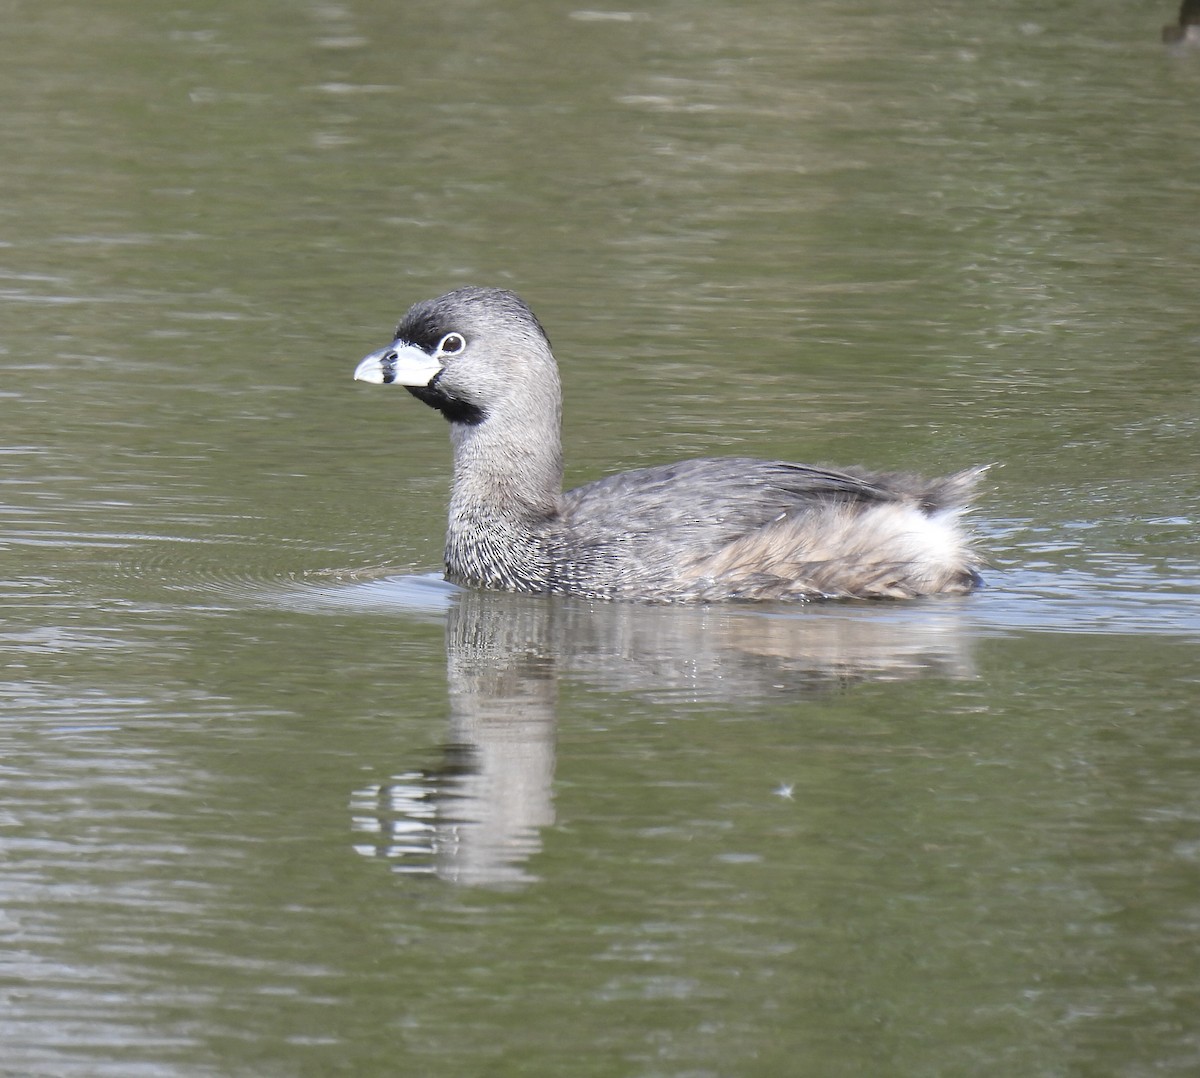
<point>451,344</point>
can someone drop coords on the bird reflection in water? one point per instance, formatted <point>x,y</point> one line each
<point>477,817</point>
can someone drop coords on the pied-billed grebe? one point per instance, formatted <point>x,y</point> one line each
<point>1186,30</point>
<point>712,529</point>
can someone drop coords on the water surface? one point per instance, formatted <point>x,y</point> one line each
<point>277,801</point>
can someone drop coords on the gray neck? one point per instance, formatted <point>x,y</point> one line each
<point>505,498</point>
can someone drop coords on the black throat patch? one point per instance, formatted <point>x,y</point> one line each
<point>454,409</point>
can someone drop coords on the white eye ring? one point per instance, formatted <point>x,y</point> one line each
<point>451,344</point>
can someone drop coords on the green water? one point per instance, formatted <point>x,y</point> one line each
<point>275,801</point>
